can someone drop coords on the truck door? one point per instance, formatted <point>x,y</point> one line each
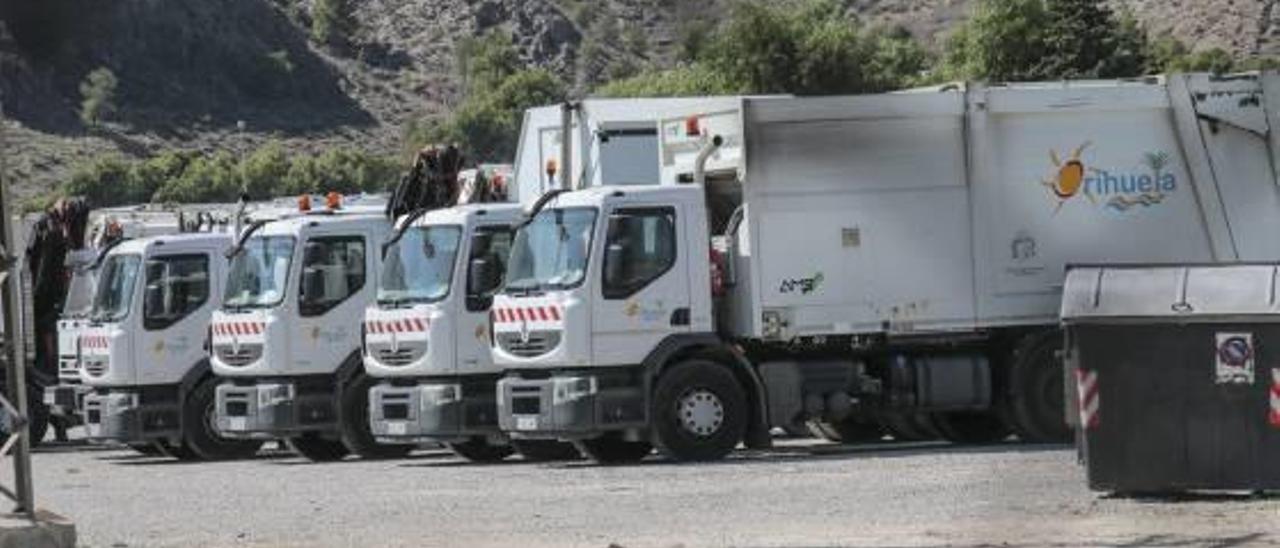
<point>334,290</point>
<point>472,348</point>
<point>644,284</point>
<point>176,307</point>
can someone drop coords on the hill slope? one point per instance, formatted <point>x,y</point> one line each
<point>190,70</point>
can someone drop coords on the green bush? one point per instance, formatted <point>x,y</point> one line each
<point>684,80</point>
<point>98,96</point>
<point>263,172</point>
<point>331,22</point>
<point>104,181</point>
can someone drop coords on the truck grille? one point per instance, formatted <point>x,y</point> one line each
<point>248,354</point>
<point>538,343</point>
<point>96,368</point>
<point>404,356</point>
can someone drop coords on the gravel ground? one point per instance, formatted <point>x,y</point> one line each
<point>802,493</point>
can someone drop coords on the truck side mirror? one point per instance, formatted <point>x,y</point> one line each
<point>313,253</point>
<point>615,274</point>
<point>153,301</point>
<point>484,275</point>
<point>312,286</point>
<point>481,243</point>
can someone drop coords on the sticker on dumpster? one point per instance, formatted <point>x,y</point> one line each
<point>1275,398</point>
<point>1235,358</point>
<point>1090,402</point>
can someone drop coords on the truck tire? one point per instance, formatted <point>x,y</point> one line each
<point>545,450</point>
<point>480,450</point>
<point>699,411</point>
<point>847,431</point>
<point>971,427</point>
<point>611,448</point>
<point>200,430</point>
<point>1036,391</point>
<point>318,449</point>
<point>356,433</point>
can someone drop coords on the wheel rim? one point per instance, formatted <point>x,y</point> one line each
<point>701,412</point>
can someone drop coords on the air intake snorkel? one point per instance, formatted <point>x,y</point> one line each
<point>538,206</point>
<point>411,218</point>
<point>244,237</point>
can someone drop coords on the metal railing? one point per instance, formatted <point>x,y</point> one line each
<point>18,443</point>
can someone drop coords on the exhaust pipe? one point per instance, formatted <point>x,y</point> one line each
<point>700,163</point>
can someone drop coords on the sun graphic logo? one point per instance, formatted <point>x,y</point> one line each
<point>1070,176</point>
<point>1114,190</point>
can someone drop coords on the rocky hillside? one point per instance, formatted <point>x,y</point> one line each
<point>191,71</point>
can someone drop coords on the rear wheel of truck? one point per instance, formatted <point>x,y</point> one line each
<point>612,448</point>
<point>545,450</point>
<point>699,411</point>
<point>1036,390</point>
<point>849,430</point>
<point>971,427</point>
<point>356,432</point>
<point>319,449</point>
<point>200,428</point>
<point>480,450</point>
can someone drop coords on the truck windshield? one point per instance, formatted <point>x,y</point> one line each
<point>80,291</point>
<point>551,252</point>
<point>115,287</point>
<point>419,267</point>
<point>259,272</point>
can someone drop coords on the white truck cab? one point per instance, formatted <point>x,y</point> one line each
<point>286,341</point>
<point>144,348</point>
<point>427,335</point>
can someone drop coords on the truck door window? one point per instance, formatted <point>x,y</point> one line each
<point>499,250</point>
<point>644,241</point>
<point>176,286</point>
<point>333,269</point>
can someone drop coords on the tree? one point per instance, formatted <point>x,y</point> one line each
<point>263,172</point>
<point>98,96</point>
<point>1002,40</point>
<point>1084,39</point>
<point>485,61</point>
<point>331,22</point>
<point>683,80</point>
<point>104,182</point>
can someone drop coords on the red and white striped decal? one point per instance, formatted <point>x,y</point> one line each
<point>1275,398</point>
<point>94,341</point>
<point>405,325</point>
<point>527,314</point>
<point>1090,402</point>
<point>239,328</point>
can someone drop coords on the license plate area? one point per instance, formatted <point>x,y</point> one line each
<point>395,411</point>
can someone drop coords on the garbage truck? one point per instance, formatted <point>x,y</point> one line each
<point>426,338</point>
<point>873,262</point>
<point>144,352</point>
<point>286,339</point>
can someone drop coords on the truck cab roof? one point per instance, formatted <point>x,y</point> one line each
<point>466,214</point>
<point>189,240</point>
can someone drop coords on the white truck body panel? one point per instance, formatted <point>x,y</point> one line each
<point>630,155</point>
<point>953,209</point>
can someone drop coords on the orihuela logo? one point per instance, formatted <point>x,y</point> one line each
<point>1118,190</point>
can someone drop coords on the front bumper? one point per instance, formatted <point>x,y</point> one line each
<point>432,412</point>
<point>122,417</point>
<point>66,400</point>
<point>271,410</point>
<point>570,406</point>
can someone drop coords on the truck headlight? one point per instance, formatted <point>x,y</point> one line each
<point>568,390</point>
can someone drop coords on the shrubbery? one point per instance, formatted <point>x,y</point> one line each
<point>187,177</point>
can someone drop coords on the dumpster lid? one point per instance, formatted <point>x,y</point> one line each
<point>1222,292</point>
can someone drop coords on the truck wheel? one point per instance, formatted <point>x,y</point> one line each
<point>479,450</point>
<point>971,427</point>
<point>611,448</point>
<point>545,450</point>
<point>699,411</point>
<point>849,430</point>
<point>318,449</point>
<point>200,429</point>
<point>355,423</point>
<point>1036,398</point>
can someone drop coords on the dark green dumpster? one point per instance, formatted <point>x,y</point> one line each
<point>1174,376</point>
